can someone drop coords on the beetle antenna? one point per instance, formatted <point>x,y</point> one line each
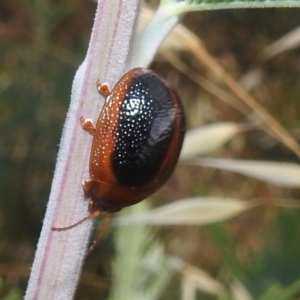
<point>90,216</point>
<point>104,224</point>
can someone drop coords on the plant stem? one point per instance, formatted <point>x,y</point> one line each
<point>60,255</point>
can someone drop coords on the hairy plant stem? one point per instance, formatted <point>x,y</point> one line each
<point>60,255</point>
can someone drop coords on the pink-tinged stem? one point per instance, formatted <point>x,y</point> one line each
<point>60,255</point>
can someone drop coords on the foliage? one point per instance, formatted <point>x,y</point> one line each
<point>254,255</point>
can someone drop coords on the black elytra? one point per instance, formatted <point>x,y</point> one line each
<point>145,130</point>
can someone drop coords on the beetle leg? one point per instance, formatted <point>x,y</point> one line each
<point>87,184</point>
<point>87,125</point>
<point>103,89</point>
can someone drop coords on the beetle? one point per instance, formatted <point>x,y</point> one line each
<point>136,143</point>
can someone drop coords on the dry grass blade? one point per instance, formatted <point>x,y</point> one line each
<point>191,211</point>
<point>204,83</point>
<point>288,42</point>
<point>281,174</point>
<point>194,46</point>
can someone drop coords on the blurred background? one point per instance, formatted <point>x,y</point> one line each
<point>41,45</point>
